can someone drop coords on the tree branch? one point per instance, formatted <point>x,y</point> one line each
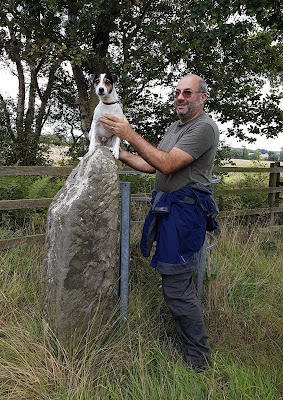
<point>45,97</point>
<point>21,96</point>
<point>83,99</point>
<point>31,104</point>
<point>37,69</point>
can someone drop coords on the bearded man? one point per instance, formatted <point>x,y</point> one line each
<point>182,207</point>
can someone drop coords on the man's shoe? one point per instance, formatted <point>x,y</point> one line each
<point>197,367</point>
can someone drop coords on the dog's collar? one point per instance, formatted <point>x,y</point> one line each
<point>109,104</point>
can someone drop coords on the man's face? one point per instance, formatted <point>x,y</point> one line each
<point>187,101</point>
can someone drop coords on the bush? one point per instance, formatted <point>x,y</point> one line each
<point>140,183</point>
<point>27,187</point>
<point>247,180</point>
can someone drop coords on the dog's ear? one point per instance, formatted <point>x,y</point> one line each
<point>114,78</point>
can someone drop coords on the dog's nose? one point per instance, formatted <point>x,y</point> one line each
<point>101,90</point>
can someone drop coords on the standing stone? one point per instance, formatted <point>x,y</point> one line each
<point>81,246</point>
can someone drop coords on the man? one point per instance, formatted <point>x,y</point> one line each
<point>181,205</point>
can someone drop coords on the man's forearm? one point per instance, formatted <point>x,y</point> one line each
<point>155,157</point>
<point>135,162</point>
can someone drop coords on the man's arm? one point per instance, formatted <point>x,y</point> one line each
<point>164,162</point>
<point>136,162</point>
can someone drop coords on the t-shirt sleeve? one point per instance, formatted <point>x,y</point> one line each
<point>197,140</point>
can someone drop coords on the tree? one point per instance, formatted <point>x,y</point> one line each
<point>262,151</point>
<point>236,153</point>
<point>255,156</point>
<point>274,156</point>
<point>26,46</point>
<point>235,45</point>
<point>245,153</point>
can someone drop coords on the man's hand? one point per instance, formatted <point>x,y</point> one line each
<point>119,127</point>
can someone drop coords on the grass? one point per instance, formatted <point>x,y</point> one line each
<point>250,163</point>
<point>141,358</point>
<point>243,180</point>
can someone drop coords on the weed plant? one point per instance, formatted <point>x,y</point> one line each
<point>141,358</point>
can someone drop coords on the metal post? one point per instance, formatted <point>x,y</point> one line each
<point>214,180</point>
<point>202,264</point>
<point>201,270</point>
<point>274,180</point>
<point>124,258</point>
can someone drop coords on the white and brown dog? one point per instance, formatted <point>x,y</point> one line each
<point>108,104</point>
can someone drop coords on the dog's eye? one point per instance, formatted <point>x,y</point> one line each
<point>97,81</point>
<point>107,82</point>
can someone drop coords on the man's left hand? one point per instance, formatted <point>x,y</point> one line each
<point>117,126</point>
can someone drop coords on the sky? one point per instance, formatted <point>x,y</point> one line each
<point>9,85</point>
<point>261,143</point>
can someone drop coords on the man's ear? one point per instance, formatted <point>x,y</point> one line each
<point>204,97</point>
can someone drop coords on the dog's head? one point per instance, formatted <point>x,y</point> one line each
<point>103,83</point>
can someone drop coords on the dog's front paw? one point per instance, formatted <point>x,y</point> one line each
<point>91,150</point>
<point>115,153</point>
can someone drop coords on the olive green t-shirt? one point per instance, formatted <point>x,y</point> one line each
<point>199,138</point>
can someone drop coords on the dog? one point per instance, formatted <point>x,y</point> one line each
<point>108,104</point>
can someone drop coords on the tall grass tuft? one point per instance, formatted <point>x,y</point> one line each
<point>141,358</point>
<point>246,297</point>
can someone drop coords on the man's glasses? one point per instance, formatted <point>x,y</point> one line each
<point>186,93</point>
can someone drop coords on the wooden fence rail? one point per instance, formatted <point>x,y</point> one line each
<point>275,168</point>
<point>274,190</point>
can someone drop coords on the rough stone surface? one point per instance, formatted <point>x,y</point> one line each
<point>81,245</point>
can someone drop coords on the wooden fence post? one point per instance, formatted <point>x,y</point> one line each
<point>274,181</point>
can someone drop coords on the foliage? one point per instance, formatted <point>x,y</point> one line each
<point>247,154</point>
<point>140,184</point>
<point>29,187</point>
<point>26,187</point>
<point>27,30</point>
<point>236,46</point>
<point>275,156</point>
<point>244,180</point>
<point>256,180</point>
<point>242,154</point>
<point>78,148</point>
<point>54,140</point>
<point>223,155</point>
<point>141,358</point>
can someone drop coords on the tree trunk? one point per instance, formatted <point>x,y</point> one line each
<point>29,126</point>
<point>83,101</point>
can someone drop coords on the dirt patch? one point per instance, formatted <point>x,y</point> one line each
<point>58,154</point>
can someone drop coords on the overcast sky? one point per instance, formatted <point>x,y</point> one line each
<point>9,85</point>
<point>261,143</point>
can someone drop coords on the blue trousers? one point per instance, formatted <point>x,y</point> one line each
<point>180,296</point>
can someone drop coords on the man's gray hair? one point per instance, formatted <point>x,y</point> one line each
<point>202,86</point>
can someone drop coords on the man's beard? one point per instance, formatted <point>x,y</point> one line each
<point>190,111</point>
